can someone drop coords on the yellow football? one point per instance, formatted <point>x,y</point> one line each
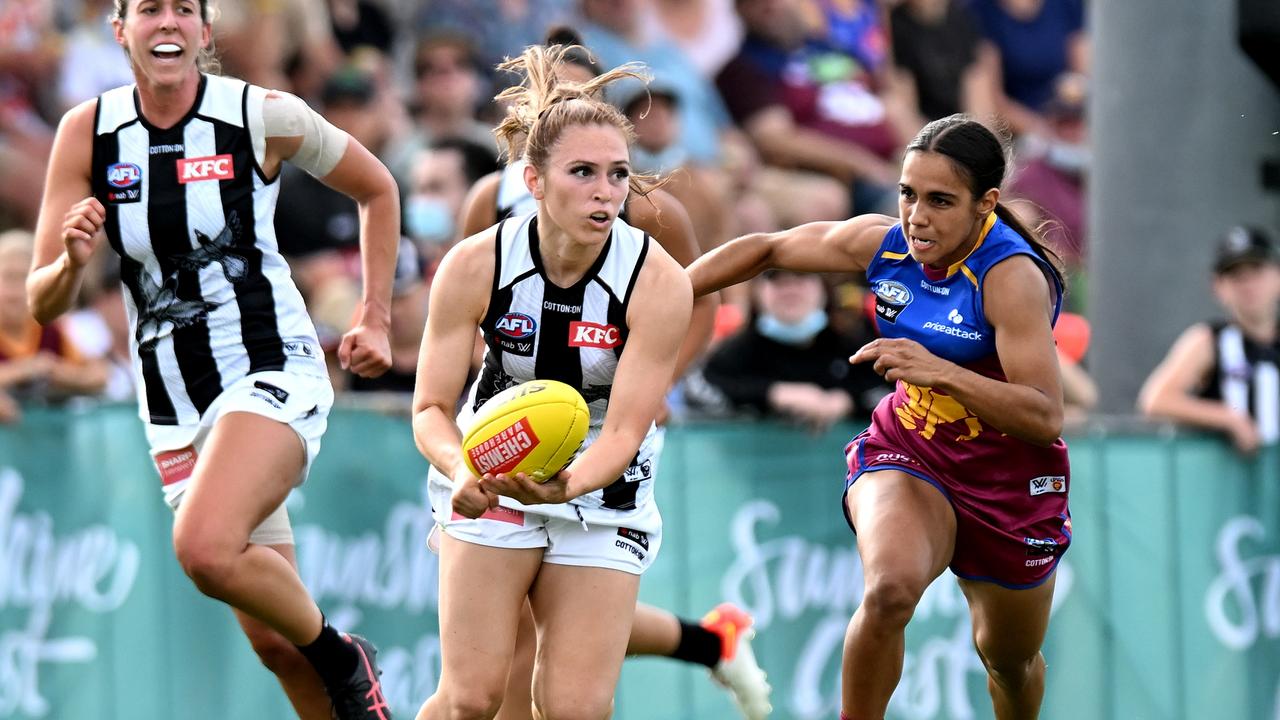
<point>533,428</point>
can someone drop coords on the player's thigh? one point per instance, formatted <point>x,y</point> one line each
<point>1008,625</point>
<point>583,615</point>
<point>246,469</point>
<point>906,527</point>
<point>482,593</point>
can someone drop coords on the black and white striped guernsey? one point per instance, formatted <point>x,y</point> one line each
<point>535,329</point>
<point>190,212</point>
<point>1246,377</point>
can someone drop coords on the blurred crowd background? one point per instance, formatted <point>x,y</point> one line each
<point>766,114</point>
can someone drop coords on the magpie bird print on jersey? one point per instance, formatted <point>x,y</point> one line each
<point>219,249</point>
<point>164,306</point>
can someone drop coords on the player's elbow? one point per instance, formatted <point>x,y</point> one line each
<point>1151,402</point>
<point>41,309</point>
<point>1048,428</point>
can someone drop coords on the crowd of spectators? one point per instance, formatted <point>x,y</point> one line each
<point>766,114</point>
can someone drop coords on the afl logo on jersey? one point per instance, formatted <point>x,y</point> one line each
<point>515,333</point>
<point>123,175</point>
<point>892,297</point>
<point>125,181</point>
<point>516,325</point>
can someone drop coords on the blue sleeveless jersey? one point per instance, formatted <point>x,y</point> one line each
<point>1009,496</point>
<point>942,310</point>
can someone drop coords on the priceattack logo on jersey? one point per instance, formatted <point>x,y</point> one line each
<point>213,167</point>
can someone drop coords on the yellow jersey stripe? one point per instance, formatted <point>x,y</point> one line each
<point>982,236</point>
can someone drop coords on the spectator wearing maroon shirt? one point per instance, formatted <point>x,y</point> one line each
<point>38,363</point>
<point>806,104</point>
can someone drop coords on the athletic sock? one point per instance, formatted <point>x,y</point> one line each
<point>331,655</point>
<point>697,645</point>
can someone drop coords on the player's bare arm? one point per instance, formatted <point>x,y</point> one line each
<point>657,319</point>
<point>667,221</point>
<point>70,224</point>
<point>829,246</point>
<point>459,299</point>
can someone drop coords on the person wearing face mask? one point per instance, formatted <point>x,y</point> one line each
<point>791,362</point>
<point>439,179</point>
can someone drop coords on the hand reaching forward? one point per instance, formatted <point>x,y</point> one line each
<point>906,360</point>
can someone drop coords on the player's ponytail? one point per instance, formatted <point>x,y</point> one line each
<point>541,107</point>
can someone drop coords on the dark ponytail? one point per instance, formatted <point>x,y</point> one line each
<point>977,154</point>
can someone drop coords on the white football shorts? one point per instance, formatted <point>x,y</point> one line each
<point>300,401</point>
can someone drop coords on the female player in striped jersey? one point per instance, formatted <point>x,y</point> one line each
<point>721,642</point>
<point>178,172</point>
<point>963,466</point>
<point>573,294</point>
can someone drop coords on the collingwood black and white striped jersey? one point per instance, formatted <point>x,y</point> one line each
<point>1246,376</point>
<point>190,213</point>
<point>535,329</point>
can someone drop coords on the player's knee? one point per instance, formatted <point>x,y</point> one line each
<point>205,562</point>
<point>1010,670</point>
<point>890,603</point>
<point>472,702</point>
<point>579,704</point>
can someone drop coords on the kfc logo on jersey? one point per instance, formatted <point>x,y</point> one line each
<point>213,167</point>
<point>594,335</point>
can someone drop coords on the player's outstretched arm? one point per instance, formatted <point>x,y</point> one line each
<point>844,246</point>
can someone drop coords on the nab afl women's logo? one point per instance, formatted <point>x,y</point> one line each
<point>125,183</point>
<point>123,175</point>
<point>516,325</point>
<point>891,298</point>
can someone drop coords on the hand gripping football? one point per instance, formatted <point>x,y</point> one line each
<point>533,428</point>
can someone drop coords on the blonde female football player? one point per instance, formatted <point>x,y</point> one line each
<point>721,641</point>
<point>178,173</point>
<point>569,293</point>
